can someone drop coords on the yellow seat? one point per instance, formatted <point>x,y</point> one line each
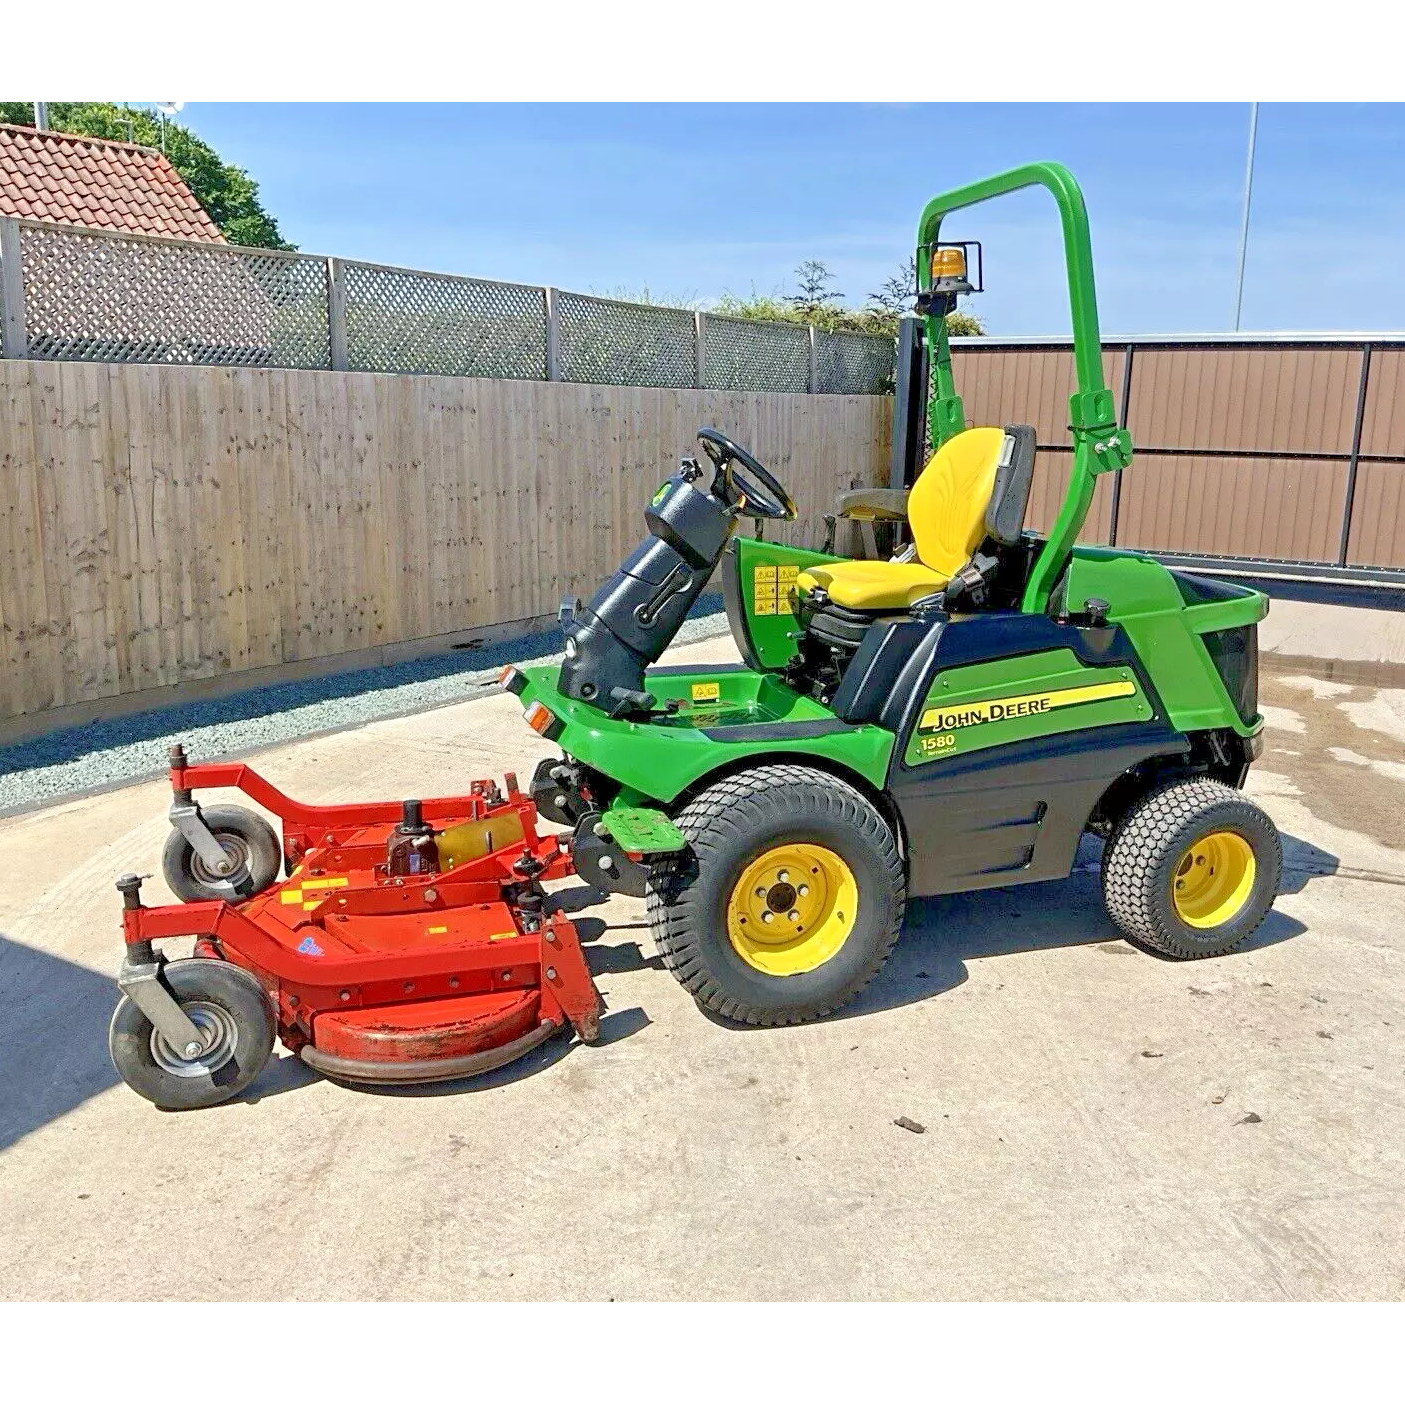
<point>946,511</point>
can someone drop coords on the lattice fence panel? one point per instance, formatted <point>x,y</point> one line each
<point>441,325</point>
<point>625,343</point>
<point>852,363</point>
<point>94,297</point>
<point>741,355</point>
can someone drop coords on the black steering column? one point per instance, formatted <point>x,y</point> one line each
<point>635,615</point>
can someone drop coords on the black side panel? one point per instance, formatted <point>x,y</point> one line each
<point>1010,814</point>
<point>1202,590</point>
<point>777,731</point>
<point>681,670</point>
<point>1014,814</point>
<point>736,609</point>
<point>873,672</point>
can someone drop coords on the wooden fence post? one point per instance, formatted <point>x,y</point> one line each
<point>814,364</point>
<point>553,335</point>
<point>700,350</point>
<point>14,345</point>
<point>336,313</point>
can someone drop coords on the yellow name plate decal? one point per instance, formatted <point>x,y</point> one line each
<point>948,719</point>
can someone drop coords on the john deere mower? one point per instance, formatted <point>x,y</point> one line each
<point>953,719</point>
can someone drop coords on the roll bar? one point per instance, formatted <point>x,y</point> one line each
<point>1099,445</point>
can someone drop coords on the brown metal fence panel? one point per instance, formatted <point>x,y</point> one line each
<point>1276,451</point>
<point>1206,506</point>
<point>1032,386</point>
<point>1378,507</point>
<point>1289,399</point>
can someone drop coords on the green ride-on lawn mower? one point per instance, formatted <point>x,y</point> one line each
<point>956,718</point>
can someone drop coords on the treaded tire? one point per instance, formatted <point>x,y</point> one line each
<point>227,1002</point>
<point>247,835</point>
<point>1141,858</point>
<point>727,826</point>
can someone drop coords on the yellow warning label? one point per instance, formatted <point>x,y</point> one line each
<point>295,893</point>
<point>763,587</point>
<point>706,692</point>
<point>946,719</point>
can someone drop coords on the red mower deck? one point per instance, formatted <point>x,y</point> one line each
<point>370,976</point>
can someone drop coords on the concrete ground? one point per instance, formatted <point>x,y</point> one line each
<point>1099,1123</point>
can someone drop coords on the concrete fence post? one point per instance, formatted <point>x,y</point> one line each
<point>814,363</point>
<point>14,344</point>
<point>553,335</point>
<point>700,350</point>
<point>336,313</point>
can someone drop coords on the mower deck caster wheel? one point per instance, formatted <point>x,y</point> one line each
<point>231,1011</point>
<point>249,841</point>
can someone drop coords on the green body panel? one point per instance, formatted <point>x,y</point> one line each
<point>1099,445</point>
<point>1165,630</point>
<point>640,830</point>
<point>766,573</point>
<point>1012,700</point>
<point>657,759</point>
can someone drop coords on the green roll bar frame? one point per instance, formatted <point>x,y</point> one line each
<point>1099,445</point>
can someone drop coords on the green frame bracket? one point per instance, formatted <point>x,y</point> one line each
<point>1099,445</point>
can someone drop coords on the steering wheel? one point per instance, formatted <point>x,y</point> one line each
<point>755,493</point>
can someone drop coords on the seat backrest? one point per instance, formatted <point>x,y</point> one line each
<point>976,485</point>
<point>947,506</point>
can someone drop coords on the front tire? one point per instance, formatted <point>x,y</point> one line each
<point>249,841</point>
<point>1192,870</point>
<point>232,1012</point>
<point>787,901</point>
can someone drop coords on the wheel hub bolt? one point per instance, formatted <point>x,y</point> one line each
<point>192,1049</point>
<point>804,890</point>
<point>768,917</point>
<point>793,915</point>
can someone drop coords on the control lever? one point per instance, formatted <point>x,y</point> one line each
<point>674,583</point>
<point>637,701</point>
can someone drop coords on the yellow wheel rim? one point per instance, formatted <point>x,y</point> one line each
<point>792,909</point>
<point>1214,879</point>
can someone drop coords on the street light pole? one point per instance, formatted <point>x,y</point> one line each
<point>1244,228</point>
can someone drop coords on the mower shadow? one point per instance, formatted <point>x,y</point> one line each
<point>942,935</point>
<point>53,1037</point>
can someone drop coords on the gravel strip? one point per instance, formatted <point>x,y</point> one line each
<point>107,754</point>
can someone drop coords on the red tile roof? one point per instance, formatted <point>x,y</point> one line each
<point>102,184</point>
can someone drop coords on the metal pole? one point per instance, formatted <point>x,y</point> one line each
<point>41,115</point>
<point>1244,228</point>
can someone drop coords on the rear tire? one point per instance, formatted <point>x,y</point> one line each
<point>232,1012</point>
<point>246,837</point>
<point>814,851</point>
<point>1192,870</point>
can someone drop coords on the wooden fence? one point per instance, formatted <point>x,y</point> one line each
<point>166,525</point>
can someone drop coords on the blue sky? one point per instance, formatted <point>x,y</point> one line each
<point>697,200</point>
